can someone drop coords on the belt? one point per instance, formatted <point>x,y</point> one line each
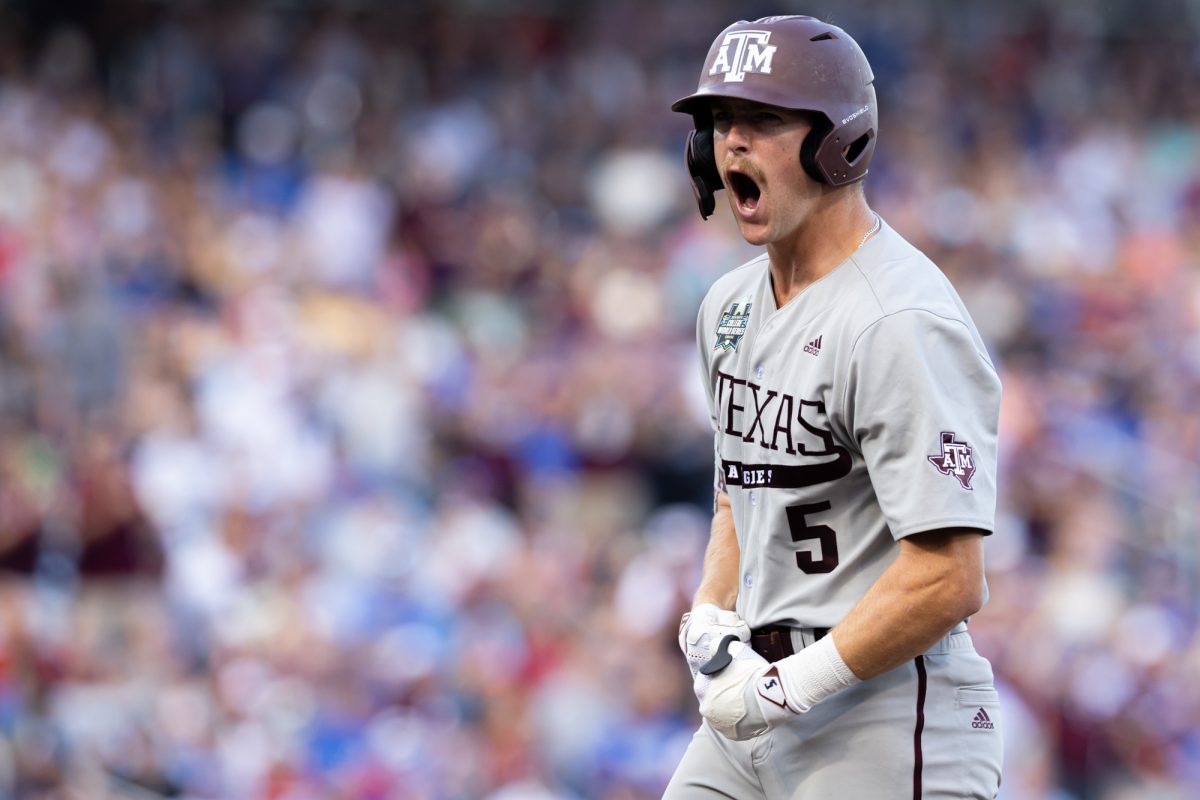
<point>774,642</point>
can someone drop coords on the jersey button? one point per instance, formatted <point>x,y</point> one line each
<point>753,497</point>
<point>748,580</point>
<point>759,371</point>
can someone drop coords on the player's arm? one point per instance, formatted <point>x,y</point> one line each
<point>719,579</point>
<point>918,379</point>
<point>712,617</point>
<point>935,582</point>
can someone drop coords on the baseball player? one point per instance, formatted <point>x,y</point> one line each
<point>855,414</point>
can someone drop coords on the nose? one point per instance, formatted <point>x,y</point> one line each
<point>737,136</point>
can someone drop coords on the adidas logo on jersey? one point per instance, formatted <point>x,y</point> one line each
<point>982,720</point>
<point>813,348</point>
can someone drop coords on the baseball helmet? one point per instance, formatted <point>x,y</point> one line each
<point>793,62</point>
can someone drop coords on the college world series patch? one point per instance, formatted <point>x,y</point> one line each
<point>955,459</point>
<point>732,325</point>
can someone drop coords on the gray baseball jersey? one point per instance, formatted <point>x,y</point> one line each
<point>862,411</point>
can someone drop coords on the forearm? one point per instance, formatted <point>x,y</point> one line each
<point>934,583</point>
<point>719,579</point>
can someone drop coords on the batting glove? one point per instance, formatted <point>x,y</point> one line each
<point>751,695</point>
<point>703,628</point>
<point>746,698</point>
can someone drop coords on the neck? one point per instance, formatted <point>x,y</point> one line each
<point>825,239</point>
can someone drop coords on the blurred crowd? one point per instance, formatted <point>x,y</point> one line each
<point>352,441</point>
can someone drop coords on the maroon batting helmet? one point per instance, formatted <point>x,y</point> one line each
<point>792,62</point>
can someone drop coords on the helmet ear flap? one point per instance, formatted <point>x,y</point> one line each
<point>838,156</point>
<point>702,167</point>
<point>811,147</point>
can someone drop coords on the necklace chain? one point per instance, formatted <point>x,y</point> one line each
<point>870,233</point>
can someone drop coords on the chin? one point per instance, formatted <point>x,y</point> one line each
<point>755,234</point>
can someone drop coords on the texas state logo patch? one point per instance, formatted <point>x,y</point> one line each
<point>732,325</point>
<point>956,458</point>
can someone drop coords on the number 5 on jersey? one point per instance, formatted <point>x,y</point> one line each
<point>802,531</point>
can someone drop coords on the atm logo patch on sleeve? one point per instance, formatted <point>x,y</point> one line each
<point>956,459</point>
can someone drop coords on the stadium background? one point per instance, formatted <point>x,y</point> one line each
<point>351,438</point>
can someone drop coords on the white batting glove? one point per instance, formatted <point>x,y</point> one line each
<point>752,695</point>
<point>746,698</point>
<point>702,629</point>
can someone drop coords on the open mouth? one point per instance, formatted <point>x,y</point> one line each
<point>744,189</point>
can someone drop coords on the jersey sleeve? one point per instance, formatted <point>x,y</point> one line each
<point>923,407</point>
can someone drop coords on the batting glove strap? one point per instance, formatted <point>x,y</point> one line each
<point>770,695</point>
<point>813,674</point>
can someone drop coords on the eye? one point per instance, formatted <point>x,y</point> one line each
<point>767,118</point>
<point>722,119</point>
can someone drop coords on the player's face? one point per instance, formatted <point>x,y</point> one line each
<point>757,148</point>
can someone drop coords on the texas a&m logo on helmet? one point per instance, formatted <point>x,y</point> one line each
<point>742,52</point>
<point>955,459</point>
